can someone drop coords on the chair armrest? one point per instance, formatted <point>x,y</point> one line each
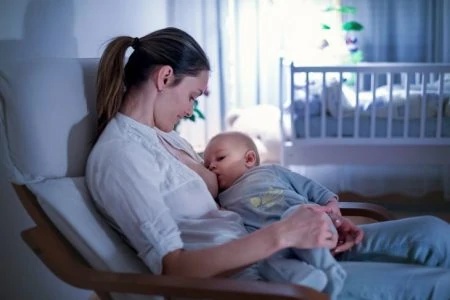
<point>60,259</point>
<point>368,210</point>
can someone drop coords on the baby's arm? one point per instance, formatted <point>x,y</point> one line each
<point>314,191</point>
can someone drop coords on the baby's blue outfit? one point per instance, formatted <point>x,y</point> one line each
<point>268,193</point>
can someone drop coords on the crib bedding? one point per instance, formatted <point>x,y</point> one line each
<point>344,97</point>
<point>381,125</point>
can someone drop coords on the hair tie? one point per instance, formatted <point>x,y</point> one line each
<point>135,43</point>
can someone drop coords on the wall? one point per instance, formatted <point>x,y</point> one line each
<point>55,28</point>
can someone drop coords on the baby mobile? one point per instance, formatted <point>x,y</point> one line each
<point>350,28</point>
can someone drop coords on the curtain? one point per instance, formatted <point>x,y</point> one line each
<point>251,43</point>
<point>404,30</point>
<point>256,34</point>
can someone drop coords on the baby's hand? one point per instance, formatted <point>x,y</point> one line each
<point>337,221</point>
<point>349,235</point>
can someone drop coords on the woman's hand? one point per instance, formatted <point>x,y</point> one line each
<point>349,235</point>
<point>308,228</point>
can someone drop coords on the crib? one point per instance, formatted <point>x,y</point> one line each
<point>366,114</point>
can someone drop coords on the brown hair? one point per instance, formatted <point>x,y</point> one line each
<point>168,46</point>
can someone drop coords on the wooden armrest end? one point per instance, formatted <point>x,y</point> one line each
<point>368,210</point>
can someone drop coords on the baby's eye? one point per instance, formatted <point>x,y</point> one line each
<point>220,158</point>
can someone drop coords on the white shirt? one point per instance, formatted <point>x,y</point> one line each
<point>158,203</point>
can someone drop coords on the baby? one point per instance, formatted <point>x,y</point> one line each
<point>264,194</point>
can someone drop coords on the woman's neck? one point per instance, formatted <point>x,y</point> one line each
<point>138,105</point>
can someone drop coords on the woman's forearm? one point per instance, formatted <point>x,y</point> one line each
<point>304,228</point>
<point>225,259</point>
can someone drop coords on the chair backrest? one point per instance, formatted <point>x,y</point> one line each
<point>47,127</point>
<point>49,117</point>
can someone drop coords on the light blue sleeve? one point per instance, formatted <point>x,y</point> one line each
<point>313,191</point>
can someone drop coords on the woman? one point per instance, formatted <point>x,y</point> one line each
<point>152,186</point>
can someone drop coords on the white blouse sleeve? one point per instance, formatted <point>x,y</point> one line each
<point>125,184</point>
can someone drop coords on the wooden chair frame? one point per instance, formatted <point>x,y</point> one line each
<point>66,263</point>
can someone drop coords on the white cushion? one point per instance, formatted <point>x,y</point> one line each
<point>67,202</point>
<point>49,117</point>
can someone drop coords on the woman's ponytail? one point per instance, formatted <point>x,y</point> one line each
<point>110,80</point>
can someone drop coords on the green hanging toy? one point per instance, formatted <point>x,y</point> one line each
<point>349,27</point>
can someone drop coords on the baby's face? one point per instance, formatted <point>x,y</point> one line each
<point>226,159</point>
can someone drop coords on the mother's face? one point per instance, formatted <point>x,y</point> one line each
<point>178,101</point>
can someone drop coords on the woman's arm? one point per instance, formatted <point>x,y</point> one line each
<point>305,228</point>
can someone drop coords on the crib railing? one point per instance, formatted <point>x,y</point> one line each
<point>417,85</point>
<point>402,76</point>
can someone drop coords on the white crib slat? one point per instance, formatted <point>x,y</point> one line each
<point>306,117</point>
<point>357,110</point>
<point>281,104</point>
<point>339,95</point>
<point>389,120</point>
<point>323,107</point>
<point>406,120</point>
<point>440,106</point>
<point>417,78</point>
<point>292,96</point>
<point>373,83</point>
<point>423,107</point>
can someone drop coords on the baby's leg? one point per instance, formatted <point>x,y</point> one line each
<point>283,268</point>
<point>321,258</point>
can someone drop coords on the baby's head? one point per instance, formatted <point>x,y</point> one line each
<point>229,155</point>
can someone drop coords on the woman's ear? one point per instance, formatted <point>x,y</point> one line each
<point>250,159</point>
<point>164,76</point>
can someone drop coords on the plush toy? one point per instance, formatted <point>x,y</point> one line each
<point>262,124</point>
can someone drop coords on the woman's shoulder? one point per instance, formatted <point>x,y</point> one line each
<point>121,143</point>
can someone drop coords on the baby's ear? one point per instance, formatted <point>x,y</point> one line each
<point>250,159</point>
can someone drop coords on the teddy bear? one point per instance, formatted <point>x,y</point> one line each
<point>262,124</point>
